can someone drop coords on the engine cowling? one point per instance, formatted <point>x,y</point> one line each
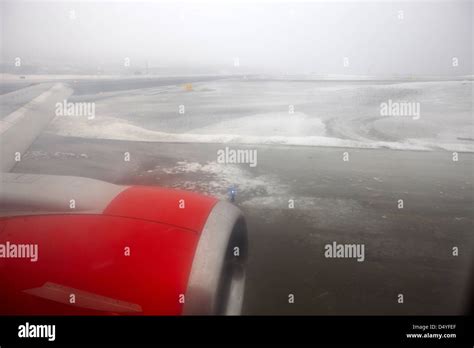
<point>119,251</point>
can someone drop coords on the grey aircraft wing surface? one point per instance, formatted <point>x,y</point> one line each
<point>20,128</point>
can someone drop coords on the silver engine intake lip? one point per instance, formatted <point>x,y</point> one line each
<point>217,279</point>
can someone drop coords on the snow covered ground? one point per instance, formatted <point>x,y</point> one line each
<point>308,113</point>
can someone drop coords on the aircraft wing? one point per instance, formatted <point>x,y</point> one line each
<point>19,129</point>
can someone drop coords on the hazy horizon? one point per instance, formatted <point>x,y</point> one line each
<point>370,38</point>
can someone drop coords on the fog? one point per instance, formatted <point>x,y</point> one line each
<point>262,36</point>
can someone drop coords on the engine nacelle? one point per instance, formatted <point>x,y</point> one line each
<point>117,250</point>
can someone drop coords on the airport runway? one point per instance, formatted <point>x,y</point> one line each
<point>407,251</point>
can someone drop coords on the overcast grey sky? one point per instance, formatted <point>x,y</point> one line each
<point>266,36</point>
